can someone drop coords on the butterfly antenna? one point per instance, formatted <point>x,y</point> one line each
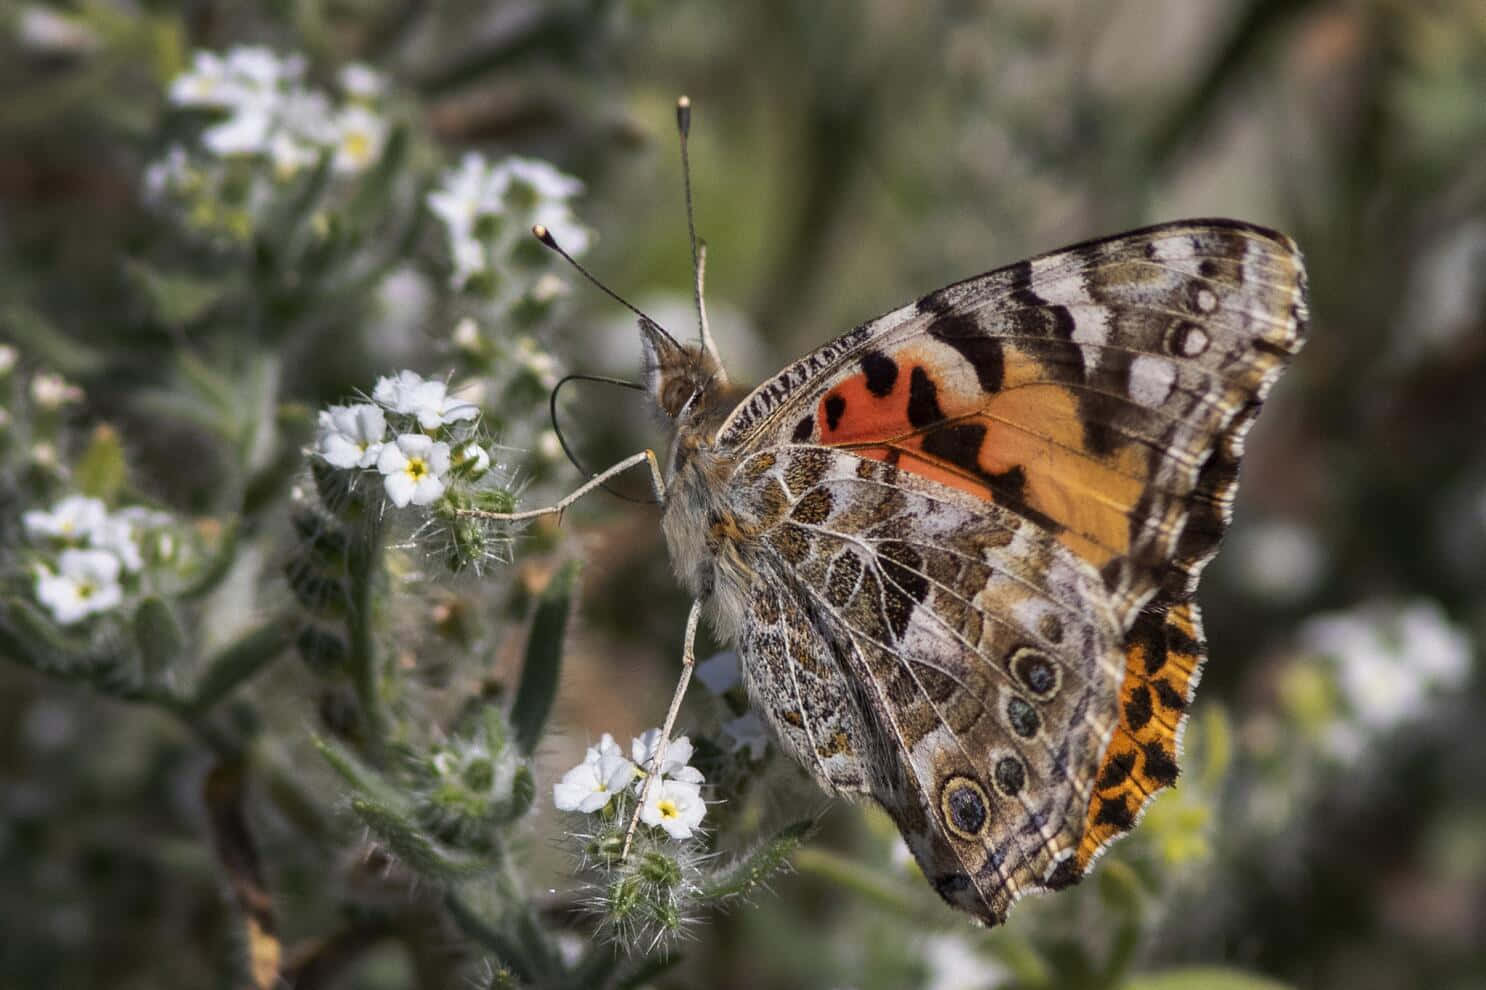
<point>562,440</point>
<point>698,248</point>
<point>544,235</point>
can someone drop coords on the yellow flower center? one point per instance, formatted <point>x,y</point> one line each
<point>357,147</point>
<point>417,468</point>
<point>667,808</point>
<point>85,589</point>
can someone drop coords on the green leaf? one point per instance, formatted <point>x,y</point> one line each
<point>543,664</point>
<point>177,300</point>
<point>411,844</point>
<point>1202,978</point>
<point>100,472</point>
<point>239,661</point>
<point>159,636</point>
<point>747,872</point>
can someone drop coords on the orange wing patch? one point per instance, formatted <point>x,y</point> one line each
<point>1012,437</point>
<point>1163,657</point>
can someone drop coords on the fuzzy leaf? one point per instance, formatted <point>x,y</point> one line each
<point>543,664</point>
<point>410,843</point>
<point>177,300</point>
<point>159,636</point>
<point>747,872</point>
<point>100,472</point>
<point>239,661</point>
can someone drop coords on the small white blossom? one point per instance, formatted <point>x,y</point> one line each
<point>675,806</point>
<point>413,395</point>
<point>469,192</point>
<point>208,83</point>
<point>594,782</point>
<point>563,226</point>
<point>74,518</point>
<point>116,535</point>
<point>719,672</point>
<point>548,288</point>
<point>414,467</point>
<point>747,731</point>
<point>167,175</point>
<point>351,436</point>
<point>9,356</point>
<point>678,755</point>
<point>466,336</point>
<point>50,391</point>
<point>359,136</point>
<point>44,29</point>
<point>472,460</point>
<point>247,132</point>
<point>361,81</point>
<point>541,179</point>
<point>549,446</point>
<point>1389,661</point>
<point>86,582</point>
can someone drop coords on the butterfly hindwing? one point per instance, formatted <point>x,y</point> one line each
<point>978,666</point>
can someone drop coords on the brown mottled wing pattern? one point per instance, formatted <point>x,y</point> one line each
<point>948,656</point>
<point>971,530</point>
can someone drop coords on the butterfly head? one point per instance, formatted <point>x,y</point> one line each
<point>688,383</point>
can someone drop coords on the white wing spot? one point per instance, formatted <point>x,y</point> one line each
<point>1194,342</point>
<point>1206,301</point>
<point>1151,379</point>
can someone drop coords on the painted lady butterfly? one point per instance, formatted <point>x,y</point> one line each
<point>957,546</point>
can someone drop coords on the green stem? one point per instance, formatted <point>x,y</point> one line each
<point>850,874</point>
<point>363,565</point>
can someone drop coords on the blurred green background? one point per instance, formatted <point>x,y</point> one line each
<point>847,157</point>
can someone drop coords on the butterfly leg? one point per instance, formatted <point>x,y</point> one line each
<point>657,481</point>
<point>688,661</point>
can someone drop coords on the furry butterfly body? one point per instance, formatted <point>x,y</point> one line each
<point>957,545</point>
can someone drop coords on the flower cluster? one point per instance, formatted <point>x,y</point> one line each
<point>674,802</point>
<point>488,209</point>
<point>271,113</point>
<point>1389,661</point>
<point>269,127</point>
<point>87,554</point>
<point>425,446</point>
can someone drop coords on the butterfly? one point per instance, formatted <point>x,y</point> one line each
<point>957,546</point>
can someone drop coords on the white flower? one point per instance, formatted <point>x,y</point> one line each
<point>73,519</point>
<point>43,29</point>
<point>206,84</point>
<point>9,356</point>
<point>563,226</point>
<point>1281,560</point>
<point>359,136</point>
<point>678,755</point>
<point>166,175</point>
<point>247,131</point>
<point>675,806</point>
<point>469,192</point>
<point>594,782</point>
<point>541,179</point>
<point>472,460</point>
<point>747,731</point>
<point>470,259</point>
<point>351,436</point>
<point>466,336</point>
<point>52,392</point>
<point>414,467</point>
<point>719,672</point>
<point>116,535</point>
<point>1389,660</point>
<point>361,81</point>
<point>954,965</point>
<point>413,395</point>
<point>87,581</point>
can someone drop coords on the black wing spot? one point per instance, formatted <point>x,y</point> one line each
<point>881,372</point>
<point>1138,709</point>
<point>965,334</point>
<point>1022,717</point>
<point>835,406</point>
<point>1117,770</point>
<point>804,430</point>
<point>1115,811</point>
<point>1159,765</point>
<point>1010,775</point>
<point>923,400</point>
